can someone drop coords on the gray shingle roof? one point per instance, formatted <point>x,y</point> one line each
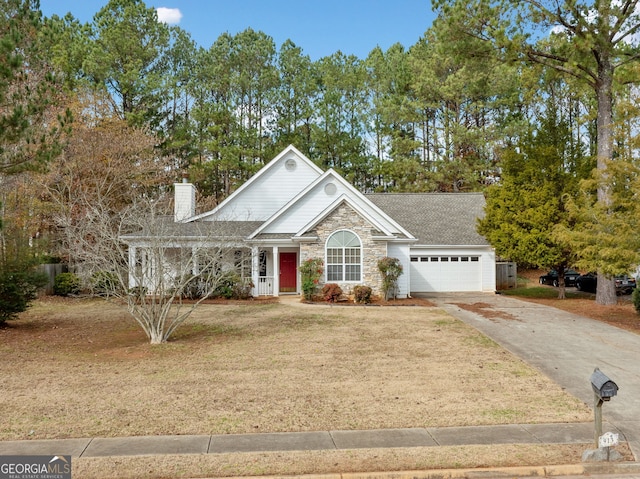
<point>166,227</point>
<point>274,236</point>
<point>436,218</point>
<point>433,218</point>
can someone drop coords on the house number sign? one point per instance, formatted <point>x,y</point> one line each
<point>608,439</point>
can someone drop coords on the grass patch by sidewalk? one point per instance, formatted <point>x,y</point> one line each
<point>327,462</point>
<point>540,292</point>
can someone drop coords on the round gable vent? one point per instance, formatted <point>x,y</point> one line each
<point>330,189</point>
<point>290,164</point>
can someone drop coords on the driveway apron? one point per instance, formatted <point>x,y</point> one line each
<point>565,347</point>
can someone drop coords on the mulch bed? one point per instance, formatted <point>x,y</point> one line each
<point>376,302</point>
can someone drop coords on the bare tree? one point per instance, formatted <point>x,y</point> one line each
<point>107,202</point>
<point>157,269</point>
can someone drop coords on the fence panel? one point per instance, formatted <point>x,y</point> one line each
<point>52,270</point>
<point>506,275</point>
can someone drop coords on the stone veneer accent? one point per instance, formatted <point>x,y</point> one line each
<point>345,218</point>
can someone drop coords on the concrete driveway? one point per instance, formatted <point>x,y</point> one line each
<point>565,347</point>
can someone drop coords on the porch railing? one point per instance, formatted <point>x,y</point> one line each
<point>265,286</point>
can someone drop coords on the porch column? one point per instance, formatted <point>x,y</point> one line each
<point>151,271</point>
<point>255,270</point>
<point>195,267</point>
<point>132,266</point>
<point>276,271</point>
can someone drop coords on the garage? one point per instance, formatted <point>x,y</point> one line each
<point>446,273</point>
<point>446,253</point>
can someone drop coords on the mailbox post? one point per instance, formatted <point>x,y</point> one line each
<point>603,390</point>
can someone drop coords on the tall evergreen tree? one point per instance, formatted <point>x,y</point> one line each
<point>341,107</point>
<point>31,126</point>
<point>214,123</point>
<point>293,104</point>
<point>599,47</point>
<point>176,131</point>
<point>529,202</point>
<point>472,94</point>
<point>254,78</point>
<point>606,235</point>
<point>31,122</point>
<point>398,121</point>
<point>127,57</point>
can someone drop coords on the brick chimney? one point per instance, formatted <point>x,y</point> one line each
<point>184,206</point>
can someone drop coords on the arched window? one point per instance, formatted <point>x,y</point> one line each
<point>344,257</point>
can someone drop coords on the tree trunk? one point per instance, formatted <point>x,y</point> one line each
<point>562,290</point>
<point>606,291</point>
<point>156,334</point>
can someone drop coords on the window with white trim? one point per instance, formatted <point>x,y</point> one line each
<point>344,257</point>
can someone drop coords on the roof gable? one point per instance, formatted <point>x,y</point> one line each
<point>266,192</point>
<point>320,198</point>
<point>343,200</point>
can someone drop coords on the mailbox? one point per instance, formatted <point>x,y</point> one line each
<point>603,386</point>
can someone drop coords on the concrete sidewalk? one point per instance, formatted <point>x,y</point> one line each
<point>307,441</point>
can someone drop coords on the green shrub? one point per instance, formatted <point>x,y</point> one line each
<point>226,285</point>
<point>242,289</point>
<point>391,269</point>
<point>362,294</point>
<point>138,291</point>
<point>17,290</point>
<point>331,292</point>
<point>635,297</point>
<point>104,283</point>
<point>48,259</point>
<point>66,284</point>
<point>232,286</point>
<point>192,287</point>
<point>229,286</point>
<point>310,273</point>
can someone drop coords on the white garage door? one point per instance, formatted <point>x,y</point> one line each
<point>445,273</point>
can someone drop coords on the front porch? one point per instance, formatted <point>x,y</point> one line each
<point>268,271</point>
<point>264,286</point>
<point>274,270</point>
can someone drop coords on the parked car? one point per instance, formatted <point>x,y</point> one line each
<point>625,284</point>
<point>587,282</point>
<point>570,276</point>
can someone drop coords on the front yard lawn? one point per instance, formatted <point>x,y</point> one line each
<point>82,368</point>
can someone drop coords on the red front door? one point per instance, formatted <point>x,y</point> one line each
<point>288,272</point>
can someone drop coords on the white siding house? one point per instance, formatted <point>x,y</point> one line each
<point>291,210</point>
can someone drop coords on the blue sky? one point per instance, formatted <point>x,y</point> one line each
<point>319,27</point>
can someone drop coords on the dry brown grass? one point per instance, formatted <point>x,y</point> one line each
<point>281,464</point>
<point>81,368</point>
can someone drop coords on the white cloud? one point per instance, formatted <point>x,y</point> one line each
<point>632,20</point>
<point>558,29</point>
<point>170,16</point>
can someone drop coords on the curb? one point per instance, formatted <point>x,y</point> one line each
<point>479,473</point>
